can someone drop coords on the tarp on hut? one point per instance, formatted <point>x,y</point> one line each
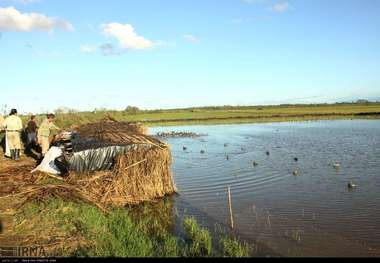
<point>95,146</point>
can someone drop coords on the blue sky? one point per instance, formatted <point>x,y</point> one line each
<point>179,53</point>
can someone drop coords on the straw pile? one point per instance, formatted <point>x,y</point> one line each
<point>138,176</point>
<point>142,174</point>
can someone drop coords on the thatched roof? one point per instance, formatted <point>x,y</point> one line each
<point>114,132</point>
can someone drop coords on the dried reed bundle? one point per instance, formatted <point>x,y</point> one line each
<point>138,176</point>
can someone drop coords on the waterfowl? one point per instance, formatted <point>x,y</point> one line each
<point>351,185</point>
<point>295,159</point>
<point>202,151</point>
<point>255,163</point>
<point>268,153</point>
<point>243,149</point>
<point>227,157</point>
<point>336,165</point>
<point>184,148</point>
<point>225,145</point>
<point>295,172</point>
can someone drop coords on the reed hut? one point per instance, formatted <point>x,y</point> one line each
<point>117,163</point>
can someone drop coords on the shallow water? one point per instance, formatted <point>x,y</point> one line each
<point>312,214</point>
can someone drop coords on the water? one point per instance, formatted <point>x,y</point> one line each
<point>312,214</point>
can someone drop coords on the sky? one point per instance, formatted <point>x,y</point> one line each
<point>181,53</point>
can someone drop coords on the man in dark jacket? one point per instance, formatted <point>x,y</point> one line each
<point>31,131</point>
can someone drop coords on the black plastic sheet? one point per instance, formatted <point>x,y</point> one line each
<point>99,159</point>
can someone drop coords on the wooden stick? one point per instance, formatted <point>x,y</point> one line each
<point>135,164</point>
<point>92,179</point>
<point>230,206</point>
<point>56,177</point>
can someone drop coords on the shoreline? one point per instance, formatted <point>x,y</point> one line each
<point>254,120</point>
<point>223,115</point>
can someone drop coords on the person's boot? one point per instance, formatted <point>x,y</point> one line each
<point>17,154</point>
<point>13,154</point>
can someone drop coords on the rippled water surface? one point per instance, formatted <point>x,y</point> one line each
<point>311,214</point>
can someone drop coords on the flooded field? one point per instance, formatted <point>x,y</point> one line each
<point>289,183</point>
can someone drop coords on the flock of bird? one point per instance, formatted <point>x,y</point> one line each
<point>336,165</point>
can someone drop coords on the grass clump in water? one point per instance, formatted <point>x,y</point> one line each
<point>234,248</point>
<point>201,243</point>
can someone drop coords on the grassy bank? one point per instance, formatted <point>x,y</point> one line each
<point>227,115</point>
<point>80,230</point>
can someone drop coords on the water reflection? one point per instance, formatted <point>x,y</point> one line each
<point>310,212</point>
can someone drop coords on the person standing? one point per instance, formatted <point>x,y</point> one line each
<point>31,131</point>
<point>1,130</point>
<point>1,122</point>
<point>45,131</point>
<point>13,127</point>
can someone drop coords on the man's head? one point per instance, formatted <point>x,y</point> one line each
<point>13,112</point>
<point>50,117</point>
<point>33,117</point>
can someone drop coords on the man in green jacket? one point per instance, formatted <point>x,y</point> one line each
<point>45,131</point>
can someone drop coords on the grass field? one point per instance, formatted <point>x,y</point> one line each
<point>228,115</point>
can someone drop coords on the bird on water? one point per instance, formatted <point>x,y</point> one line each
<point>351,185</point>
<point>336,165</point>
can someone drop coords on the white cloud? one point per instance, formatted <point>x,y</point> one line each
<point>12,20</point>
<point>191,38</point>
<point>88,49</point>
<point>126,36</point>
<point>280,7</point>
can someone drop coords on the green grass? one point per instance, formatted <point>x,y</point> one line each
<point>231,247</point>
<point>201,243</point>
<point>226,115</point>
<point>133,232</point>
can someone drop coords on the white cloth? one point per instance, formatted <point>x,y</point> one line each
<point>47,165</point>
<point>7,150</point>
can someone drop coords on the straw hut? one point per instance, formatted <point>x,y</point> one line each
<point>116,163</point>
